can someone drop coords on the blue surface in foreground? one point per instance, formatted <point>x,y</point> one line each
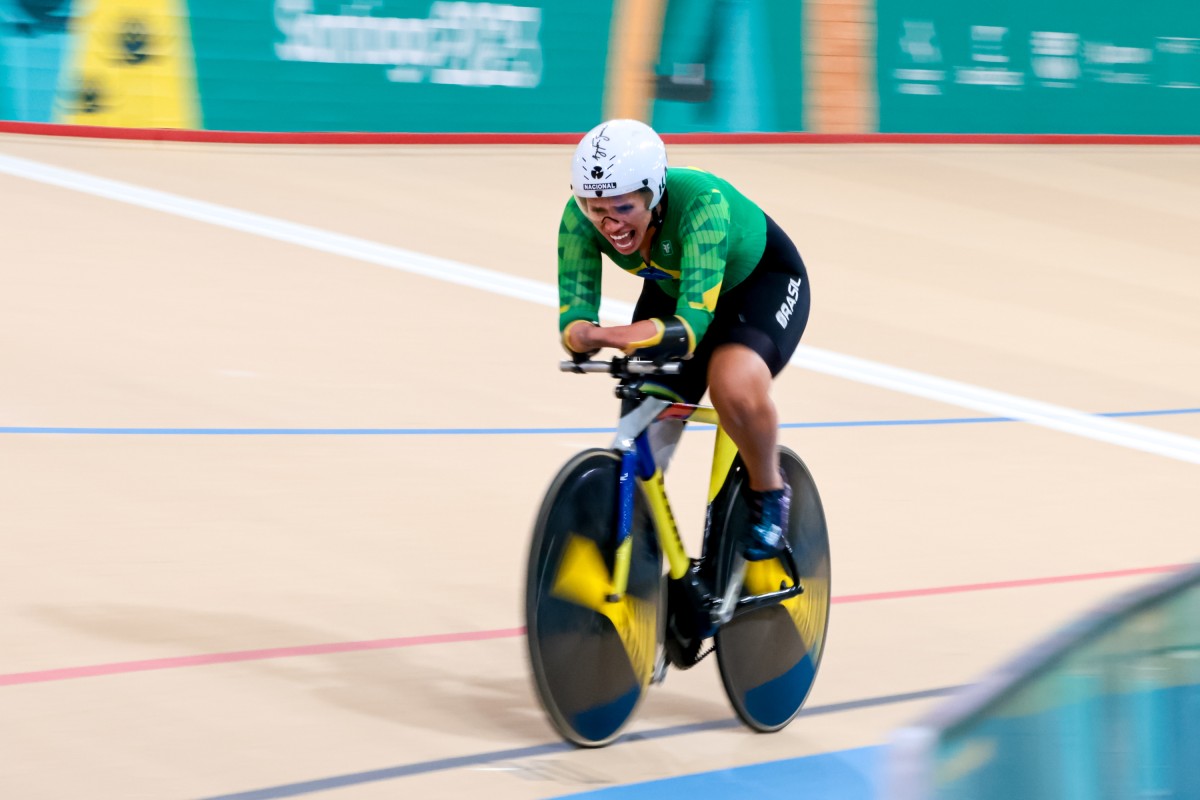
<point>817,763</point>
<point>844,775</point>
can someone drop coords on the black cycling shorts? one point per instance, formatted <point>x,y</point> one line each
<point>766,312</point>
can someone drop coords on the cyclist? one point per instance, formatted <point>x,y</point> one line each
<point>726,291</point>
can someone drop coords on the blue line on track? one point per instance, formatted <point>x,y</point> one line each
<point>482,759</point>
<point>53,430</point>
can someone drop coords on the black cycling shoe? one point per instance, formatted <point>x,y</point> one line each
<point>769,512</point>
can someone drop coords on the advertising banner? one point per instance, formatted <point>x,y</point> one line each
<point>540,66</point>
<point>306,65</point>
<point>400,65</point>
<point>524,66</point>
<point>1031,66</point>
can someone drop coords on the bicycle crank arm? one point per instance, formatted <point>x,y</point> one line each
<point>754,602</point>
<point>727,604</point>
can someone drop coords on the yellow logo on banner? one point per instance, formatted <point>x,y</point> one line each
<point>131,66</point>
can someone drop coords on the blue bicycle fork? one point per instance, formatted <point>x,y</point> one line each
<point>636,463</point>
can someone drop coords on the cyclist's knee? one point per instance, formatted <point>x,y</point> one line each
<point>741,392</point>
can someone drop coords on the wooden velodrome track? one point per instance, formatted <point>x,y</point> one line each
<point>205,591</point>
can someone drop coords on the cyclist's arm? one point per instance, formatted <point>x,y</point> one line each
<point>579,273</point>
<point>585,337</point>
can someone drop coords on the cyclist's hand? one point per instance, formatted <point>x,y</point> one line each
<point>580,358</point>
<point>579,340</point>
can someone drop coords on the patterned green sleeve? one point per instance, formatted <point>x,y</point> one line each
<point>579,268</point>
<point>705,232</point>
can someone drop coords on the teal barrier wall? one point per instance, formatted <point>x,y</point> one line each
<point>400,65</point>
<point>303,65</point>
<point>526,66</point>
<point>1108,708</point>
<point>730,65</point>
<point>1039,66</point>
<point>986,66</point>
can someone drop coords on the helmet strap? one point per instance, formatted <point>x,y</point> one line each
<point>659,211</point>
<point>657,214</point>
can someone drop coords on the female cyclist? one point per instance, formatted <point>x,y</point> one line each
<point>726,291</point>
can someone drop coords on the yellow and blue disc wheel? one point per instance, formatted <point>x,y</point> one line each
<point>769,657</point>
<point>592,652</point>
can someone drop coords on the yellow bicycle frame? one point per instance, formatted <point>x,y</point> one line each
<point>724,451</point>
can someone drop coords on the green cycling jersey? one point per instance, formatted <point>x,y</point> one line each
<point>711,237</point>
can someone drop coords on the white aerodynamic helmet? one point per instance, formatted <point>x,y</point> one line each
<point>619,156</point>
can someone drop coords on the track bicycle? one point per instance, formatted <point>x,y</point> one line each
<point>603,621</point>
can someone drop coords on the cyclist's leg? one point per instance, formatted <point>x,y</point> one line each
<point>761,322</point>
<point>740,385</point>
<point>771,304</point>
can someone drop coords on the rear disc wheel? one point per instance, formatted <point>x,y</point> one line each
<point>769,657</point>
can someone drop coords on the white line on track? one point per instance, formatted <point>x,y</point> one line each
<point>950,392</point>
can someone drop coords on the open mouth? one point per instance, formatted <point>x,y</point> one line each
<point>623,240</point>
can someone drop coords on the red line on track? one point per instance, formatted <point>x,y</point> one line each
<point>1018,584</point>
<point>148,665</point>
<point>392,138</point>
<point>123,667</point>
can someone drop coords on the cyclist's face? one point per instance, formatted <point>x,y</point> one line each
<point>622,219</point>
